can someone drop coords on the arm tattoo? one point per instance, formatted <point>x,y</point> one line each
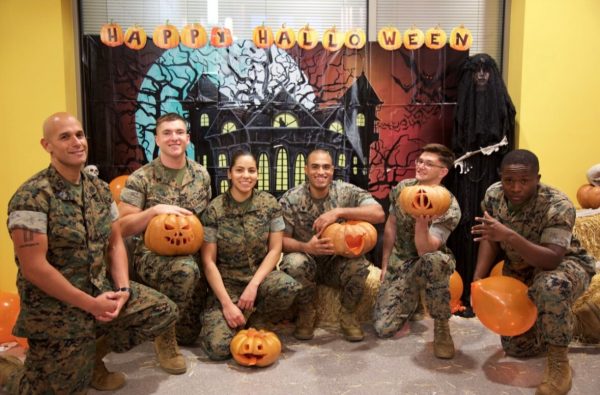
<point>28,239</point>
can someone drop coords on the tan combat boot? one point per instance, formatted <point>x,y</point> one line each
<point>557,375</point>
<point>8,364</point>
<point>586,323</point>
<point>305,322</point>
<point>169,357</point>
<point>102,379</point>
<point>350,326</point>
<point>443,345</point>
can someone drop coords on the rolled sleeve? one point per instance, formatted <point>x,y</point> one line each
<point>133,197</point>
<point>34,221</point>
<point>558,236</point>
<point>114,212</point>
<point>210,235</point>
<point>277,225</point>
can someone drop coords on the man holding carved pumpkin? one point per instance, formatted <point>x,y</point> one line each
<point>422,216</point>
<point>308,209</point>
<point>170,184</point>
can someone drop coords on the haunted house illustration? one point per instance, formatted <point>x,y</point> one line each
<point>280,132</point>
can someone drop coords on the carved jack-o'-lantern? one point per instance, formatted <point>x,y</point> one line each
<point>220,37</point>
<point>333,39</point>
<point>435,38</point>
<point>355,39</point>
<point>193,35</point>
<point>135,37</point>
<point>307,37</point>
<point>262,36</point>
<point>588,196</point>
<point>285,38</point>
<point>170,234</point>
<point>166,36</point>
<point>351,238</point>
<point>389,38</point>
<point>461,38</point>
<point>251,347</point>
<point>413,38</point>
<point>424,200</point>
<point>111,34</point>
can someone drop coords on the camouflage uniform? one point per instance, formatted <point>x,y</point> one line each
<point>548,218</point>
<point>407,272</point>
<point>241,232</point>
<point>300,211</point>
<point>62,338</point>
<point>178,277</point>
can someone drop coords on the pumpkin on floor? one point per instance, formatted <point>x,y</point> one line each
<point>251,347</point>
<point>351,238</point>
<point>170,234</point>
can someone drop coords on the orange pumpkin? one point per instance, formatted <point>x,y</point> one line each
<point>435,38</point>
<point>307,37</point>
<point>220,37</point>
<point>116,185</point>
<point>262,36</point>
<point>419,200</point>
<point>333,39</point>
<point>588,196</point>
<point>166,36</point>
<point>456,290</point>
<point>135,37</point>
<point>497,269</point>
<point>413,38</point>
<point>389,38</point>
<point>170,234</point>
<point>111,34</point>
<point>285,38</point>
<point>355,39</point>
<point>351,238</point>
<point>193,35</point>
<point>251,347</point>
<point>461,38</point>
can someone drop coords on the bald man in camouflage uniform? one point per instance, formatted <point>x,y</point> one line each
<point>307,210</point>
<point>532,225</point>
<point>415,257</point>
<point>170,184</point>
<point>62,223</point>
<point>239,232</point>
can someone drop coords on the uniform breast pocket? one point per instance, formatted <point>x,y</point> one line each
<point>66,227</point>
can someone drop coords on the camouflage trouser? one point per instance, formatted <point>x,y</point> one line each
<point>553,292</point>
<point>348,274</point>
<point>174,276</point>
<point>190,319</point>
<point>275,294</point>
<point>399,294</point>
<point>64,366</point>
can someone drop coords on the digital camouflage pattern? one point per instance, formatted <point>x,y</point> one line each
<point>177,276</point>
<point>300,211</point>
<point>548,218</point>
<point>62,338</point>
<point>407,273</point>
<point>241,232</point>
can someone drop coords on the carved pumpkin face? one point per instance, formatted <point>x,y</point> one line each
<point>419,200</point>
<point>461,38</point>
<point>193,35</point>
<point>588,196</point>
<point>413,38</point>
<point>262,36</point>
<point>355,39</point>
<point>166,36</point>
<point>307,37</point>
<point>135,37</point>
<point>251,347</point>
<point>333,39</point>
<point>352,238</point>
<point>389,38</point>
<point>170,234</point>
<point>111,35</point>
<point>435,38</point>
<point>285,38</point>
<point>220,37</point>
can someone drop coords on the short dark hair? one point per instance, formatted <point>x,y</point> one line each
<point>521,157</point>
<point>445,155</point>
<point>169,117</point>
<point>238,154</point>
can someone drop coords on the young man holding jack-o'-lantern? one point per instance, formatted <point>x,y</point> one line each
<point>309,258</point>
<point>532,224</point>
<point>415,255</point>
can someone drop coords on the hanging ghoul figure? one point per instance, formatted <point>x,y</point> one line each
<point>484,117</point>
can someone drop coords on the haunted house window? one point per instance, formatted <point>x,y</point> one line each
<point>229,127</point>
<point>285,120</point>
<point>336,126</point>
<point>222,160</point>
<point>299,169</point>
<point>204,120</point>
<point>342,160</point>
<point>205,160</point>
<point>281,177</point>
<point>223,186</point>
<point>360,119</point>
<point>355,165</point>
<point>263,172</point>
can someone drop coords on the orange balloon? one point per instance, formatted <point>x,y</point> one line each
<point>116,185</point>
<point>456,290</point>
<point>502,305</point>
<point>22,342</point>
<point>497,269</point>
<point>9,311</point>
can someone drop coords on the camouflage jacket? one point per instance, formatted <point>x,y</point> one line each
<point>78,227</point>
<point>241,231</point>
<point>547,218</point>
<point>152,184</point>
<point>300,210</point>
<point>404,245</point>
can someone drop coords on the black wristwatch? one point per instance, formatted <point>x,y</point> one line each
<point>124,289</point>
